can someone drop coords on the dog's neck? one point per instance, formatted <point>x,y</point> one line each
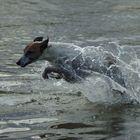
<point>57,50</point>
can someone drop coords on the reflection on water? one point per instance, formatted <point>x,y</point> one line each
<point>52,109</point>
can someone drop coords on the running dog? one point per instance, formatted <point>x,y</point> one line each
<point>67,61</point>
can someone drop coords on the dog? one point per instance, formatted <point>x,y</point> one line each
<point>67,61</point>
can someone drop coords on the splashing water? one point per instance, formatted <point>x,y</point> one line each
<point>101,88</point>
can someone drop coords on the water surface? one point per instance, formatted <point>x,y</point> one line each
<point>32,108</point>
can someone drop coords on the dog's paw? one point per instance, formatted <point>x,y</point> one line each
<point>45,76</point>
<point>51,75</point>
<point>54,75</point>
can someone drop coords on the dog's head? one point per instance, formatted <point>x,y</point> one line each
<point>33,51</point>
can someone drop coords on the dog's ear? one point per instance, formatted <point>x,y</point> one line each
<point>44,44</point>
<point>40,38</point>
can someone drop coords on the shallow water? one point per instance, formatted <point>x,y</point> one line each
<point>32,108</point>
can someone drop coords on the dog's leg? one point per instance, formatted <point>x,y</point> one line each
<point>67,70</point>
<point>49,70</point>
<point>62,72</point>
<point>70,75</point>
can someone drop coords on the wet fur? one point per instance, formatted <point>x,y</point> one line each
<point>67,61</point>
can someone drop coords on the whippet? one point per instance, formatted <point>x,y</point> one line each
<point>67,61</point>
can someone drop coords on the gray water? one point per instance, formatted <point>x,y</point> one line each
<point>33,108</point>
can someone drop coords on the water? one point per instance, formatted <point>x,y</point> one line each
<point>33,108</point>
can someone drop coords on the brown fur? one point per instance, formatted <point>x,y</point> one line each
<point>34,48</point>
<point>33,51</point>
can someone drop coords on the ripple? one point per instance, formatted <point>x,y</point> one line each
<point>9,130</point>
<point>29,121</point>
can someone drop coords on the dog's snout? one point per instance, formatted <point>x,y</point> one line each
<point>23,61</point>
<point>18,62</point>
